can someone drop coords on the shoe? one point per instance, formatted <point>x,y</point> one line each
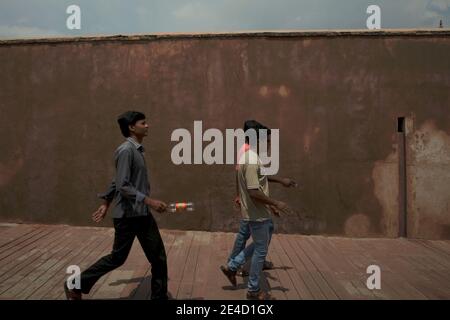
<point>72,294</point>
<point>242,273</point>
<point>258,295</point>
<point>267,265</point>
<point>230,274</point>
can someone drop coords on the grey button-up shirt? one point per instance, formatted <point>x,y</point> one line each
<point>131,184</point>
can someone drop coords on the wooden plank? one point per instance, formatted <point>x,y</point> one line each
<point>343,270</point>
<point>304,267</point>
<point>202,266</point>
<point>34,258</point>
<point>403,288</point>
<point>84,260</point>
<point>333,269</point>
<point>178,258</point>
<point>391,286</point>
<point>214,277</point>
<point>25,243</point>
<point>53,272</point>
<point>143,290</point>
<point>386,291</point>
<point>315,264</point>
<point>358,263</point>
<point>20,268</point>
<point>444,245</point>
<point>114,285</point>
<point>187,280</point>
<point>180,236</point>
<point>90,254</point>
<point>407,282</point>
<point>31,273</point>
<point>22,258</point>
<point>435,246</point>
<point>137,265</point>
<point>18,260</point>
<point>98,290</point>
<point>13,233</point>
<point>284,270</point>
<point>218,286</point>
<point>435,258</point>
<point>426,266</point>
<point>18,240</point>
<point>427,274</point>
<point>89,258</point>
<point>296,274</point>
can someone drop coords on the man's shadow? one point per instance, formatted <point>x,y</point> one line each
<point>143,291</point>
<point>265,286</point>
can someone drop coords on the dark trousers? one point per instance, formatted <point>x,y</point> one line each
<point>126,229</point>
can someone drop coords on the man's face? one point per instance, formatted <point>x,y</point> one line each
<point>140,128</point>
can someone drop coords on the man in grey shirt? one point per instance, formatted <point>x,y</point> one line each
<point>132,217</point>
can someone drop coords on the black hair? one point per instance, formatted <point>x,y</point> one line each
<point>129,118</point>
<point>255,125</point>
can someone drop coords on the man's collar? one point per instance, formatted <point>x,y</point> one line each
<point>136,144</point>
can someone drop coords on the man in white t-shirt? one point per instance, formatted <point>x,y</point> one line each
<point>256,209</point>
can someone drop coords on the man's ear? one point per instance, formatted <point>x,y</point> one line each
<point>131,128</point>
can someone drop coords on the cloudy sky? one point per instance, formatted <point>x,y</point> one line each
<point>45,18</point>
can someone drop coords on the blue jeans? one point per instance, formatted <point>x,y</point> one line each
<point>261,233</point>
<point>242,236</point>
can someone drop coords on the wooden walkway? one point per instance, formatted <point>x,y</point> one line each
<point>34,258</point>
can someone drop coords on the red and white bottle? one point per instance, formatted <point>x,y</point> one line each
<point>180,207</point>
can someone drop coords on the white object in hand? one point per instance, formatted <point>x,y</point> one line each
<point>180,206</point>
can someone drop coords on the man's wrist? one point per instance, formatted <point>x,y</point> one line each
<point>275,179</point>
<point>276,203</point>
<point>148,201</point>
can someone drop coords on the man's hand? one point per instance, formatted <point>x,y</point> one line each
<point>237,203</point>
<point>98,215</point>
<point>156,204</point>
<point>275,211</point>
<point>288,183</point>
<point>282,207</point>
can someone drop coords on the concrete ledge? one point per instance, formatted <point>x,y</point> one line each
<point>243,34</point>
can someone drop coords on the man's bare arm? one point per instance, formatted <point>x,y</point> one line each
<point>287,182</point>
<point>259,196</point>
